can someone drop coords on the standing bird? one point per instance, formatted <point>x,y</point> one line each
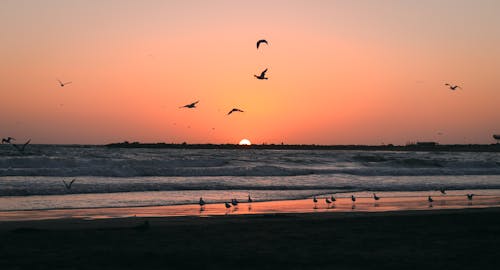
<point>452,87</point>
<point>234,202</point>
<point>375,197</point>
<point>333,198</point>
<point>261,41</point>
<point>201,202</point>
<point>68,185</point>
<point>63,84</point>
<point>7,140</point>
<point>262,75</point>
<point>443,191</point>
<point>227,205</point>
<point>429,199</point>
<point>190,106</point>
<point>22,147</point>
<point>328,202</point>
<point>234,110</point>
<point>250,199</point>
<point>315,201</point>
<point>469,196</point>
<point>353,199</point>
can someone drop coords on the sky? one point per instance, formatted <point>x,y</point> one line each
<point>340,72</point>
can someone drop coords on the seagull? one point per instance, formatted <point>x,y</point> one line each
<point>443,191</point>
<point>201,202</point>
<point>234,110</point>
<point>315,200</point>
<point>234,202</point>
<point>261,41</point>
<point>376,197</point>
<point>190,106</point>
<point>452,87</point>
<point>227,205</point>
<point>353,199</point>
<point>63,84</point>
<point>430,199</point>
<point>328,201</point>
<point>469,196</point>
<point>4,140</point>
<point>21,148</point>
<point>262,75</point>
<point>333,199</point>
<point>68,185</point>
<point>250,199</point>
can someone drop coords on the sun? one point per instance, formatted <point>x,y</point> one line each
<point>245,142</point>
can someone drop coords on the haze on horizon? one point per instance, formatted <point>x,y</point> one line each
<point>340,72</point>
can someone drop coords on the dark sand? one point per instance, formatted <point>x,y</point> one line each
<point>437,239</point>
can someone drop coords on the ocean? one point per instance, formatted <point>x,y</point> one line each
<point>120,177</point>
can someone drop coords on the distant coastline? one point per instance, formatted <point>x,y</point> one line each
<point>410,147</point>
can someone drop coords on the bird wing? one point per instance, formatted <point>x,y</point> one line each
<point>65,184</point>
<point>230,112</point>
<point>67,83</point>
<point>25,144</point>
<point>72,181</point>
<point>263,73</point>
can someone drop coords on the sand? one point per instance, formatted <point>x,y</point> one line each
<point>332,238</point>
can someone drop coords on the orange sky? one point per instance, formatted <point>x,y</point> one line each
<point>340,72</point>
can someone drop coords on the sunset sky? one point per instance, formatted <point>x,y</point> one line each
<point>340,72</point>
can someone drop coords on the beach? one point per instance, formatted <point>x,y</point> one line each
<point>434,239</point>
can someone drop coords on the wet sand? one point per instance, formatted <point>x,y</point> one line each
<point>452,234</point>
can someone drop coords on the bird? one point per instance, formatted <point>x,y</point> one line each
<point>328,201</point>
<point>452,87</point>
<point>190,106</point>
<point>469,196</point>
<point>315,200</point>
<point>443,191</point>
<point>201,202</point>
<point>68,185</point>
<point>227,205</point>
<point>430,199</point>
<point>234,202</point>
<point>63,84</point>
<point>262,75</point>
<point>250,199</point>
<point>353,199</point>
<point>376,197</point>
<point>234,110</point>
<point>7,140</point>
<point>333,199</point>
<point>22,147</point>
<point>261,41</point>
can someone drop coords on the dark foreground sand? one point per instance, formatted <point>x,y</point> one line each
<point>437,239</point>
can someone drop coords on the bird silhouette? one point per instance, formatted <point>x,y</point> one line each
<point>328,202</point>
<point>227,205</point>
<point>63,84</point>
<point>190,106</point>
<point>68,185</point>
<point>201,202</point>
<point>375,197</point>
<point>333,198</point>
<point>234,110</point>
<point>443,191</point>
<point>261,41</point>
<point>234,202</point>
<point>353,199</point>
<point>21,148</point>
<point>452,87</point>
<point>262,75</point>
<point>7,140</point>
<point>315,200</point>
<point>250,199</point>
<point>469,196</point>
<point>430,199</point>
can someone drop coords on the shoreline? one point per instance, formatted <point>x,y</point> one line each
<point>342,205</point>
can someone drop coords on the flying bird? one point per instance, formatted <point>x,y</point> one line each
<point>262,75</point>
<point>7,140</point>
<point>234,110</point>
<point>62,84</point>
<point>469,196</point>
<point>190,106</point>
<point>261,41</point>
<point>68,185</point>
<point>22,147</point>
<point>375,197</point>
<point>452,87</point>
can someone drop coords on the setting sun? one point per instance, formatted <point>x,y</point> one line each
<point>245,142</point>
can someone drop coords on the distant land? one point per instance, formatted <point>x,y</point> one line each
<point>419,146</point>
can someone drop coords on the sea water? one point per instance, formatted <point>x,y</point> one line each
<point>119,177</point>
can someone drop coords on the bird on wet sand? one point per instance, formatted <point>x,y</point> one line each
<point>429,199</point>
<point>333,198</point>
<point>443,191</point>
<point>353,199</point>
<point>375,197</point>
<point>201,202</point>
<point>250,199</point>
<point>469,197</point>
<point>228,205</point>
